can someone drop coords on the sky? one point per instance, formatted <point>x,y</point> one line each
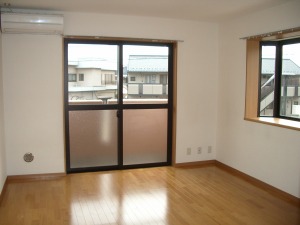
<point>291,51</point>
<point>109,52</point>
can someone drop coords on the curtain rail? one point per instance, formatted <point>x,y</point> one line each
<point>124,39</point>
<point>278,33</point>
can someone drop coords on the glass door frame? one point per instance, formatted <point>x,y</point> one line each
<point>119,106</point>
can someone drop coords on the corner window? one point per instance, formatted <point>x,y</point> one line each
<point>279,79</point>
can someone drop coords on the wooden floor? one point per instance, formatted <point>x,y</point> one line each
<point>160,196</point>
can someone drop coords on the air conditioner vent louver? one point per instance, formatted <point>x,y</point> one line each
<point>31,23</point>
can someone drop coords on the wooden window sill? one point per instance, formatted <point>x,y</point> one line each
<point>290,124</point>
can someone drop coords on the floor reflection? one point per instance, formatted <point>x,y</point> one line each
<point>145,208</point>
<point>115,201</point>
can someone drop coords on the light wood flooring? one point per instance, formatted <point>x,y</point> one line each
<point>153,196</point>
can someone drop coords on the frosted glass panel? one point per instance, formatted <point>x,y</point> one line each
<point>144,136</point>
<point>93,138</point>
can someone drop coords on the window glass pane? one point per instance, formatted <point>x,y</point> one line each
<point>92,74</point>
<point>145,136</point>
<point>93,138</point>
<point>267,76</point>
<point>290,80</point>
<point>145,74</point>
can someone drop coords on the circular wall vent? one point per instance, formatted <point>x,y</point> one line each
<point>28,157</point>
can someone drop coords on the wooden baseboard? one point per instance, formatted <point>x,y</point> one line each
<point>34,177</point>
<point>260,184</point>
<point>3,191</point>
<point>196,164</point>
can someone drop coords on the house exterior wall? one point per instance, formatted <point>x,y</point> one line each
<point>270,154</point>
<point>92,77</point>
<point>72,70</point>
<point>139,78</point>
<point>147,85</point>
<point>145,77</point>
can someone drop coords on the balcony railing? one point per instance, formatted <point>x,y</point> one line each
<point>147,89</point>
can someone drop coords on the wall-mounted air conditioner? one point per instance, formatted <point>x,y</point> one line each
<point>22,22</point>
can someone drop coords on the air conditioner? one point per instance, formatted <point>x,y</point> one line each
<point>18,22</point>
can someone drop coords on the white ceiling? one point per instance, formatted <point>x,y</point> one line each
<point>202,10</point>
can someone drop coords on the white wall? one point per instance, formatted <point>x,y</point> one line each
<point>268,153</point>
<point>33,94</point>
<point>2,148</point>
<point>33,103</point>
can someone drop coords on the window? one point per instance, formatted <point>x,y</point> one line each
<point>279,79</point>
<point>271,100</point>
<point>151,79</point>
<point>132,78</point>
<point>81,77</point>
<point>107,98</point>
<point>72,78</point>
<point>109,79</point>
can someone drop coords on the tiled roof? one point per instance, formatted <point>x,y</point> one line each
<point>148,63</point>
<point>288,67</point>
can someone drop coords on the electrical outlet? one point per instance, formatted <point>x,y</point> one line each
<point>199,150</point>
<point>209,149</point>
<point>189,151</point>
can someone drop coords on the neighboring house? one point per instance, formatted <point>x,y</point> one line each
<point>147,76</point>
<point>89,79</point>
<point>290,87</point>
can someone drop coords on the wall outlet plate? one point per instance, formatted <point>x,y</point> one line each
<point>209,149</point>
<point>199,150</point>
<point>189,151</point>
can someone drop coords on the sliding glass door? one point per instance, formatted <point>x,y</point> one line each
<point>118,111</point>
